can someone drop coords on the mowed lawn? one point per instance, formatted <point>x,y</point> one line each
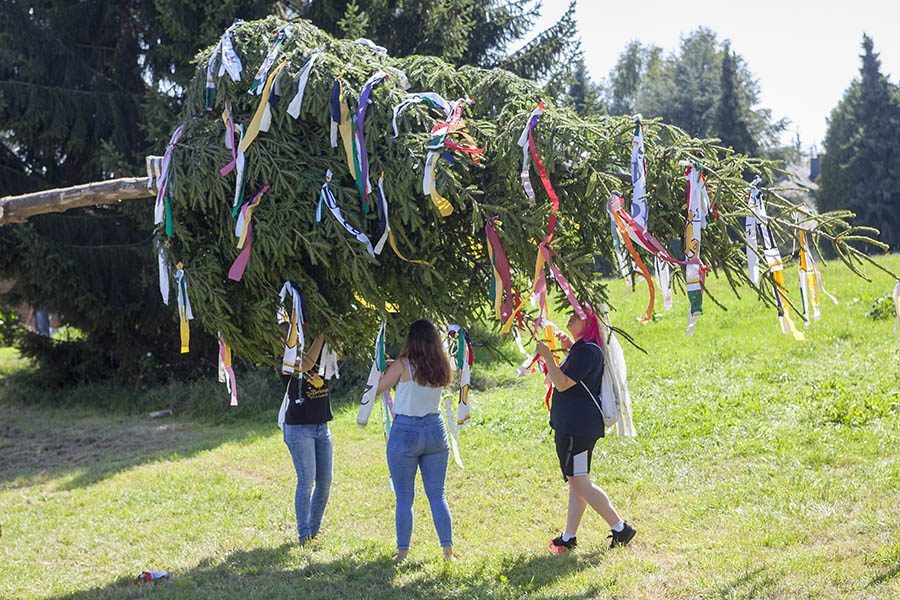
<point>763,468</point>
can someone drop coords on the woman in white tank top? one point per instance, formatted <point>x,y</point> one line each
<point>418,435</point>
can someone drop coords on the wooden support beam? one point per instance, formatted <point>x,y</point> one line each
<point>15,209</point>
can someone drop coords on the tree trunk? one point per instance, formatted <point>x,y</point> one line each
<point>15,209</point>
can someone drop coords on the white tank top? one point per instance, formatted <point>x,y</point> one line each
<point>415,400</point>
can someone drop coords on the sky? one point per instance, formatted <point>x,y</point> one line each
<point>804,54</point>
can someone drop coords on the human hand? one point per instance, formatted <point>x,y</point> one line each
<point>564,340</point>
<point>544,351</point>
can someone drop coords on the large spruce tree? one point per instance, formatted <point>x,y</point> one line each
<point>862,151</point>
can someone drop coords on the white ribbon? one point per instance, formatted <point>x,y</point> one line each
<point>163,181</point>
<point>327,198</point>
<point>371,391</point>
<point>435,99</point>
<point>451,428</point>
<point>526,156</point>
<point>750,224</point>
<point>294,344</point>
<point>328,363</point>
<point>295,105</point>
<point>664,281</point>
<point>163,273</point>
<point>230,63</point>
<point>379,50</point>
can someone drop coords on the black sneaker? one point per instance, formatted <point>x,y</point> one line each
<point>621,538</point>
<point>557,545</point>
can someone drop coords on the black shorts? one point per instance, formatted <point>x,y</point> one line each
<point>574,454</point>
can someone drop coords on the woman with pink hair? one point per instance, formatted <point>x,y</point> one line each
<point>577,420</point>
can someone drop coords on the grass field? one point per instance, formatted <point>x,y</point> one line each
<point>764,468</point>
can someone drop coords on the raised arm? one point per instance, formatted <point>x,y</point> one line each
<point>559,379</point>
<point>391,376</point>
<point>310,358</point>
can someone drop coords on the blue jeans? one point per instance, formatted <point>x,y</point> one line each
<point>420,442</point>
<point>310,448</point>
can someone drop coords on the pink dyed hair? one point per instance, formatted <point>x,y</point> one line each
<point>591,331</point>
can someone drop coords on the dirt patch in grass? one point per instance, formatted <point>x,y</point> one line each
<point>39,442</point>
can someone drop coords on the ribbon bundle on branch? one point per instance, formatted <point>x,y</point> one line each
<point>449,277</point>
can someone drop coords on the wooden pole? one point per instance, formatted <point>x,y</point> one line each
<point>15,209</point>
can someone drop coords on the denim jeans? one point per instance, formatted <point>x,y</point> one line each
<point>310,448</point>
<point>419,442</point>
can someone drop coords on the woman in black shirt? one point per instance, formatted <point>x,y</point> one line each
<point>308,439</point>
<point>576,418</point>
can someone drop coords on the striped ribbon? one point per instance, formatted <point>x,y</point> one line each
<point>615,206</point>
<point>365,186</point>
<point>639,210</point>
<point>387,231</point>
<point>809,295</point>
<point>163,209</point>
<point>184,309</point>
<point>294,342</point>
<point>697,207</point>
<point>326,198</point>
<point>379,365</point>
<point>260,77</point>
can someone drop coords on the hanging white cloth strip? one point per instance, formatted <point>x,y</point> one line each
<point>698,205</point>
<point>294,343</point>
<point>163,273</point>
<point>326,198</point>
<point>184,309</point>
<point>230,63</point>
<point>526,157</point>
<point>163,209</point>
<point>615,380</point>
<point>226,372</point>
<point>750,224</point>
<point>379,364</point>
<point>293,108</point>
<point>328,363</point>
<point>638,175</point>
<point>154,171</point>
<point>262,72</point>
<point>663,281</point>
<point>451,428</point>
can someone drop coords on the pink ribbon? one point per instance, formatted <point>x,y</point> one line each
<point>240,263</point>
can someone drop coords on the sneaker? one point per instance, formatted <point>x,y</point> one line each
<point>621,538</point>
<point>557,545</point>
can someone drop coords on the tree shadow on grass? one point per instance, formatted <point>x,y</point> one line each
<point>289,571</point>
<point>886,576</point>
<point>40,443</point>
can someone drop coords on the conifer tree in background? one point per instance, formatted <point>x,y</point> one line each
<point>80,102</point>
<point>686,90</point>
<point>862,151</point>
<point>728,121</point>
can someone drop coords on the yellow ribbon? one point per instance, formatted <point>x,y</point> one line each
<point>253,128</point>
<point>538,267</point>
<point>787,325</point>
<point>393,243</point>
<point>444,207</point>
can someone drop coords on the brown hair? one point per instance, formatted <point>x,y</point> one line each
<point>424,350</point>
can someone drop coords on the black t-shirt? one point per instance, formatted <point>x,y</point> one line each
<point>573,411</point>
<point>315,407</point>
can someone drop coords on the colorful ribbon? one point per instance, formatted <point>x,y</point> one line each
<point>164,194</point>
<point>326,198</point>
<point>639,210</point>
<point>283,34</point>
<point>253,128</point>
<point>545,180</point>
<point>294,342</point>
<point>697,208</point>
<point>430,98</point>
<point>615,205</point>
<point>379,365</point>
<point>230,63</point>
<point>501,292</point>
<point>809,295</point>
<point>385,223</point>
<point>244,232</point>
<point>184,309</point>
<point>226,372</point>
<point>365,186</point>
